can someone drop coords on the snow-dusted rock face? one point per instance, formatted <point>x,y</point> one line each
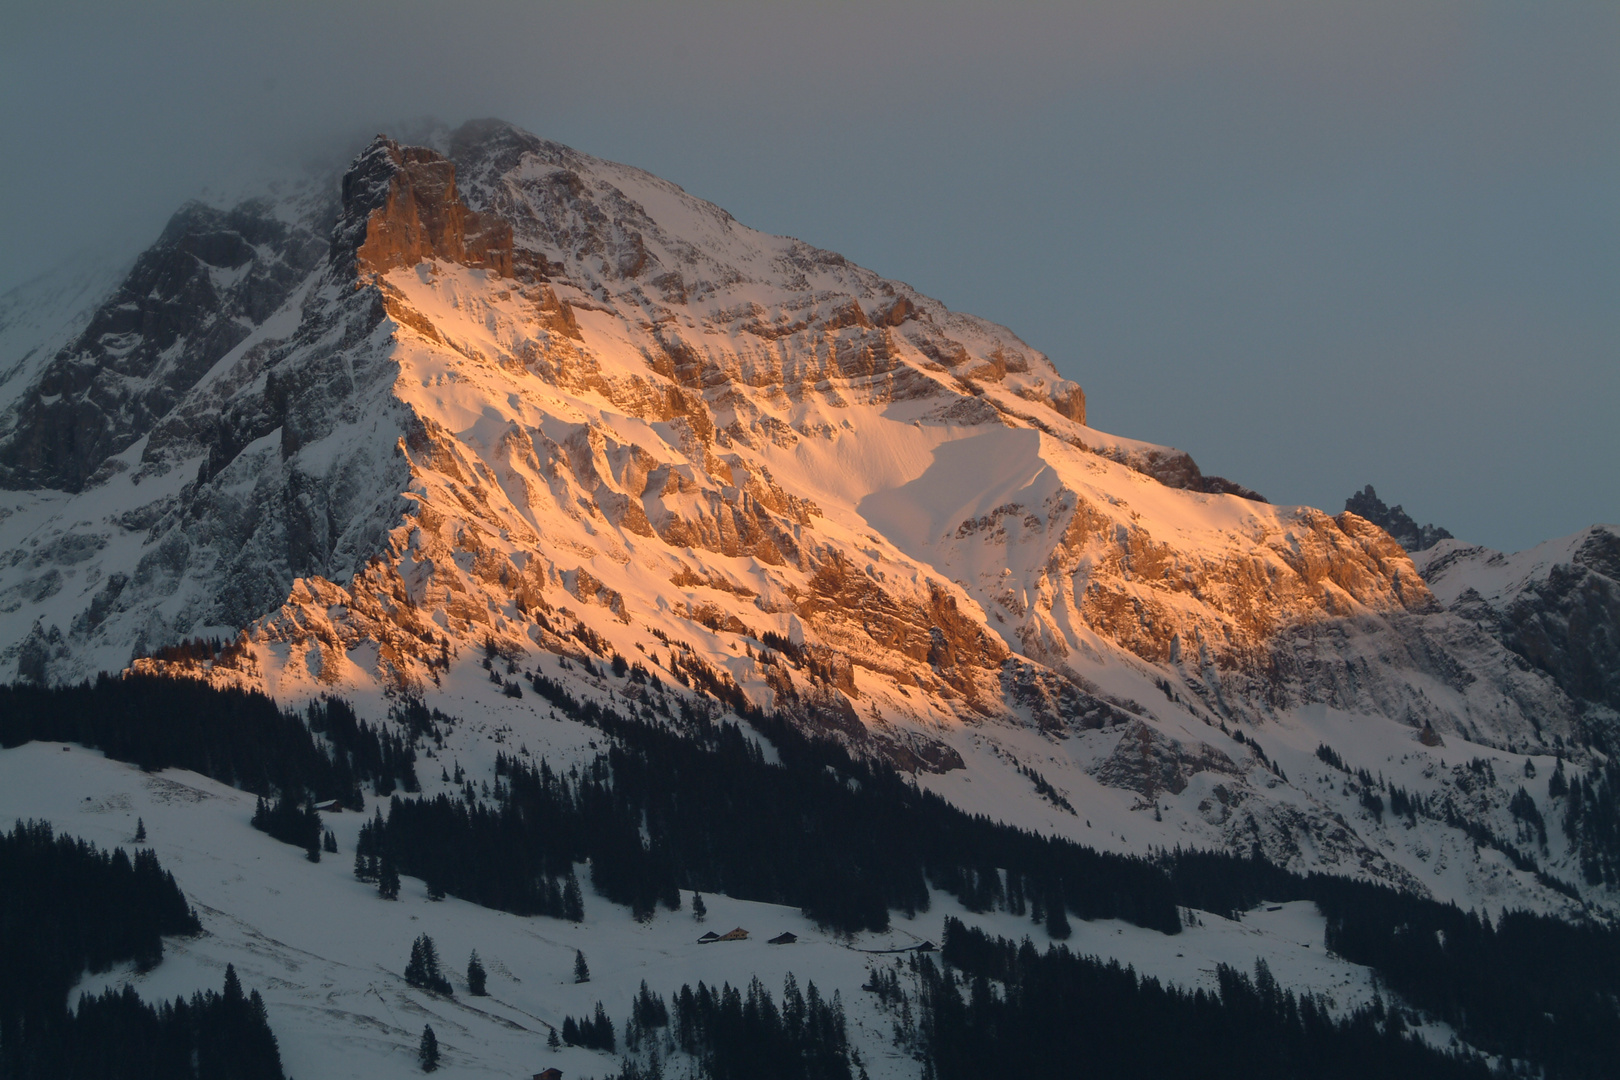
<point>1556,607</point>
<point>499,395</point>
<point>194,296</point>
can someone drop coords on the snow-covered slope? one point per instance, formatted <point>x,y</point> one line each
<point>499,392</point>
<point>1556,607</point>
<point>328,955</point>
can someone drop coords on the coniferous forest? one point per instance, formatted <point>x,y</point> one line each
<point>684,803</point>
<point>999,1008</point>
<point>67,909</point>
<point>236,737</point>
<point>731,1034</point>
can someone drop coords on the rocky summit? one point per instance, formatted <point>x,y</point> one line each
<point>492,404</point>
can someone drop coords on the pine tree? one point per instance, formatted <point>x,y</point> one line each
<point>700,910</point>
<point>602,1030</point>
<point>388,880</point>
<point>1057,920</point>
<point>427,1051</point>
<point>331,842</point>
<point>573,900</point>
<point>423,971</point>
<point>416,966</point>
<point>582,973</point>
<point>475,975</point>
<point>140,831</point>
<point>552,1042</point>
<point>430,959</point>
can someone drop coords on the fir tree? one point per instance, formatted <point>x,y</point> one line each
<point>582,973</point>
<point>475,975</point>
<point>140,831</point>
<point>573,900</point>
<point>552,1042</point>
<point>700,910</point>
<point>330,844</point>
<point>388,880</point>
<point>1057,919</point>
<point>416,966</point>
<point>602,1030</point>
<point>427,1051</point>
<point>422,970</point>
<point>438,982</point>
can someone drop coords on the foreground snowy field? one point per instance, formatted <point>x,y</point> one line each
<point>328,954</point>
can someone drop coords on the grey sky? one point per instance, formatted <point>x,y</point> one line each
<point>1315,244</point>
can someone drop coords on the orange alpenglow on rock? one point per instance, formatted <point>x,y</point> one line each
<point>422,216</point>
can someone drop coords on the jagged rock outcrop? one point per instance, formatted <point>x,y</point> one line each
<point>401,206</point>
<point>1395,521</point>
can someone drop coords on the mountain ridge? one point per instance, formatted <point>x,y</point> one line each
<point>531,405</point>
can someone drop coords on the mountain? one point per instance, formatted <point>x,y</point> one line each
<point>494,399</point>
<point>566,481</point>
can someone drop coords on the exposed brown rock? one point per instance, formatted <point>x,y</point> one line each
<point>423,217</point>
<point>401,206</point>
<point>1070,401</point>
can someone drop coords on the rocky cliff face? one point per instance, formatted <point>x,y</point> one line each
<point>401,206</point>
<point>1556,608</point>
<point>501,401</point>
<point>199,292</point>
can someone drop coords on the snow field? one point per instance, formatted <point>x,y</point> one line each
<point>328,955</point>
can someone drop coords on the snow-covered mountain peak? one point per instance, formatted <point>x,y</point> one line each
<point>503,402</point>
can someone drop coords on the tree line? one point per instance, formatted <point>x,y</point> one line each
<point>730,1033</point>
<point>1591,818</point>
<point>687,803</point>
<point>237,737</point>
<point>1000,1008</point>
<point>67,908</point>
